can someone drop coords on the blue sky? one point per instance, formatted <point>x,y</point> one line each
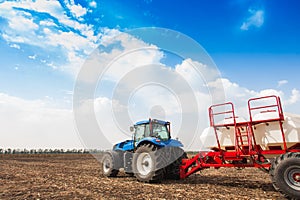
<point>254,44</point>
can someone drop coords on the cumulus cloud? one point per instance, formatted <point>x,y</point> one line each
<point>93,4</point>
<point>15,46</point>
<point>133,53</point>
<point>35,124</point>
<point>294,98</point>
<point>66,36</point>
<point>256,20</point>
<point>21,23</point>
<point>281,83</point>
<point>47,23</point>
<point>78,10</point>
<point>138,97</point>
<point>33,57</point>
<point>239,95</point>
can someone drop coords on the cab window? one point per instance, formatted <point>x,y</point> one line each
<point>160,131</point>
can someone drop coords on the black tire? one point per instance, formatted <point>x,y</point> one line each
<point>108,165</point>
<point>285,175</point>
<point>148,164</point>
<point>173,169</point>
<point>129,174</point>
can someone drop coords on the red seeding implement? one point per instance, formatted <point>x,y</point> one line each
<point>269,140</point>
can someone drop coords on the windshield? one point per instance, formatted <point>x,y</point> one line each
<point>160,131</point>
<point>141,131</point>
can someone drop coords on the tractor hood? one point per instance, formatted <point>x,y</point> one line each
<point>124,146</point>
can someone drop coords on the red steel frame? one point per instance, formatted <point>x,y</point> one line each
<point>243,155</point>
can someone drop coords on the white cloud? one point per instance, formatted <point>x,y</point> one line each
<point>15,46</point>
<point>78,10</point>
<point>52,65</point>
<point>255,20</point>
<point>268,92</point>
<point>23,28</point>
<point>93,4</point>
<point>282,82</point>
<point>33,57</point>
<point>194,70</point>
<point>240,95</point>
<point>294,98</point>
<point>140,82</point>
<point>22,23</point>
<point>35,124</point>
<point>47,23</point>
<point>118,55</point>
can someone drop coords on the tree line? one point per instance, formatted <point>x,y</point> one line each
<point>48,151</point>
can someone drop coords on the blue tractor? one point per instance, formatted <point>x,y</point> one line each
<point>150,156</point>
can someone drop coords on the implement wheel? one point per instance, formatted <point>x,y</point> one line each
<point>285,175</point>
<point>148,164</point>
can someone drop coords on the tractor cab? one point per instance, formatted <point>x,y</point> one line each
<point>155,132</point>
<point>151,131</point>
<point>152,128</point>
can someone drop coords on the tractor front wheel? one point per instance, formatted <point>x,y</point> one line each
<point>148,163</point>
<point>108,165</point>
<point>285,175</point>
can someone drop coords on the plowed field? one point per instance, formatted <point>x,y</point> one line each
<point>79,177</point>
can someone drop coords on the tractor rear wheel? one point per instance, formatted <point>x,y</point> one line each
<point>285,175</point>
<point>148,163</point>
<point>108,166</point>
<point>176,156</point>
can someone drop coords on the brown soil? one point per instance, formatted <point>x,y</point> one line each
<point>79,177</point>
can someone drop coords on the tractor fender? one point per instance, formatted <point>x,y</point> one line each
<point>160,143</point>
<point>118,158</point>
<point>153,141</point>
<point>173,143</point>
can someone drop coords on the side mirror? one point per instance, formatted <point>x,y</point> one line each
<point>131,129</point>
